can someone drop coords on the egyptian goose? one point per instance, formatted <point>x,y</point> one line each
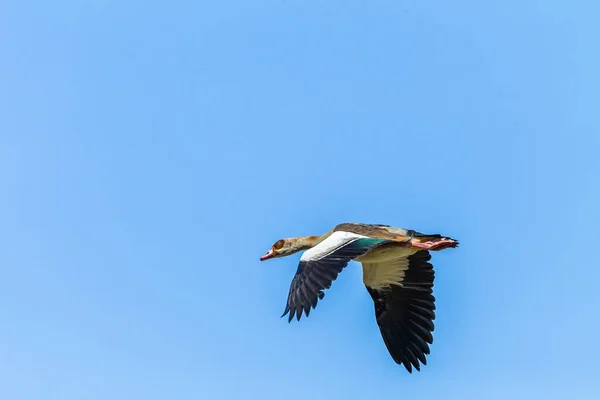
<point>396,273</point>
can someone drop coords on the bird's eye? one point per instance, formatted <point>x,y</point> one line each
<point>278,245</point>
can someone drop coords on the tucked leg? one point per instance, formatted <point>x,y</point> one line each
<point>435,245</point>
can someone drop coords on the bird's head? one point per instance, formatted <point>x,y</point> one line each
<point>286,247</point>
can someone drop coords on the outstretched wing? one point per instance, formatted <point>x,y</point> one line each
<point>404,305</point>
<point>320,266</point>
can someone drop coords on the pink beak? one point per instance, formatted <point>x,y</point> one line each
<point>270,254</point>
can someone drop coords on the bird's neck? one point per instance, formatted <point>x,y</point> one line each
<point>306,242</point>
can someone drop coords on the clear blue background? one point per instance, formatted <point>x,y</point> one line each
<point>151,152</point>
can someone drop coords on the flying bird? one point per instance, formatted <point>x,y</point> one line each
<point>396,273</point>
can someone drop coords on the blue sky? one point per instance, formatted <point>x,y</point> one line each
<point>151,152</point>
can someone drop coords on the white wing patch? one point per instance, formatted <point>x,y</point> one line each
<point>385,267</point>
<point>327,246</point>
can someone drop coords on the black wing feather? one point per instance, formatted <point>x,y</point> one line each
<point>405,313</point>
<point>313,277</point>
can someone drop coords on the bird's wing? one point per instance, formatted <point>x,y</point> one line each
<point>320,266</point>
<point>402,291</point>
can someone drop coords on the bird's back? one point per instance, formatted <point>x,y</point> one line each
<point>374,230</point>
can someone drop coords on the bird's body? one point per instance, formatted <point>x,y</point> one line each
<point>396,273</point>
